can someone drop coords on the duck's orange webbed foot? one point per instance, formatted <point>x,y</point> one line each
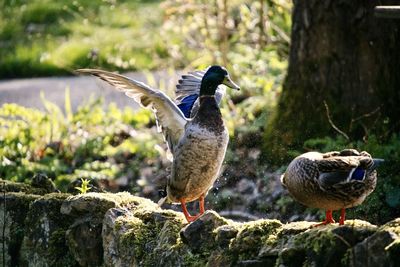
<point>201,205</point>
<point>189,217</point>
<point>328,219</point>
<point>342,216</point>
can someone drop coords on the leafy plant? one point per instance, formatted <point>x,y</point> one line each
<point>84,188</point>
<point>92,142</point>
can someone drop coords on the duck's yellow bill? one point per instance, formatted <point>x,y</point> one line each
<point>228,82</point>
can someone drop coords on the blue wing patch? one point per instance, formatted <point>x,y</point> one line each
<point>358,174</point>
<point>187,103</point>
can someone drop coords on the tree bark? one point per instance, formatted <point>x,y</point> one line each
<point>343,56</point>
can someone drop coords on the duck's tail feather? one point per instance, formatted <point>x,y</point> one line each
<point>377,163</point>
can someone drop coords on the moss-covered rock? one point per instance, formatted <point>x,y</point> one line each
<point>251,237</point>
<point>200,235</point>
<point>44,242</point>
<point>41,181</point>
<point>84,241</point>
<point>13,211</point>
<point>9,186</point>
<point>84,236</point>
<point>379,249</point>
<point>97,203</point>
<point>139,234</point>
<point>106,229</point>
<point>326,246</point>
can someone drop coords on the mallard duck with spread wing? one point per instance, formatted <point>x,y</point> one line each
<point>193,128</point>
<point>331,181</point>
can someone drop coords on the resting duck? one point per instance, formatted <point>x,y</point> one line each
<point>331,181</point>
<point>193,129</point>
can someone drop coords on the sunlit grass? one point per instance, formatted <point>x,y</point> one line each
<point>54,37</point>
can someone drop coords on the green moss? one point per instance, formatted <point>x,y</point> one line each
<point>325,246</point>
<point>393,226</point>
<point>148,237</point>
<point>142,226</point>
<point>169,234</point>
<point>308,248</point>
<point>16,209</point>
<point>176,255</point>
<point>169,249</point>
<point>101,202</point>
<point>251,237</point>
<point>57,250</point>
<point>11,186</point>
<point>194,260</point>
<point>278,242</point>
<point>145,235</point>
<point>294,228</point>
<point>359,224</point>
<point>48,204</point>
<point>45,232</point>
<point>137,236</point>
<point>316,240</point>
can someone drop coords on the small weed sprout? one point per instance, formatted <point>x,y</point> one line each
<point>84,188</point>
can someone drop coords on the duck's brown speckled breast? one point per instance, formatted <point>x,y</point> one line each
<point>197,163</point>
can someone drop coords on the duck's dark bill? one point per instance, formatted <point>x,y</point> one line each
<point>228,82</point>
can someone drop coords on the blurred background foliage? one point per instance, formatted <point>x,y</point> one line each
<point>120,149</point>
<point>45,37</point>
<point>93,142</point>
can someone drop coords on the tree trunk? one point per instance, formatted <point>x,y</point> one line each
<point>342,56</point>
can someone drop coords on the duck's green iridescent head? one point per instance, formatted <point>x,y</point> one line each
<point>215,76</point>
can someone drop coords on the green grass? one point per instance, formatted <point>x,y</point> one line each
<point>44,37</point>
<point>48,37</point>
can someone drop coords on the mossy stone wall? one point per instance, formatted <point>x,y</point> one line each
<point>104,229</point>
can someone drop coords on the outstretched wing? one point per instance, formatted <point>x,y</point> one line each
<point>188,91</point>
<point>170,119</point>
